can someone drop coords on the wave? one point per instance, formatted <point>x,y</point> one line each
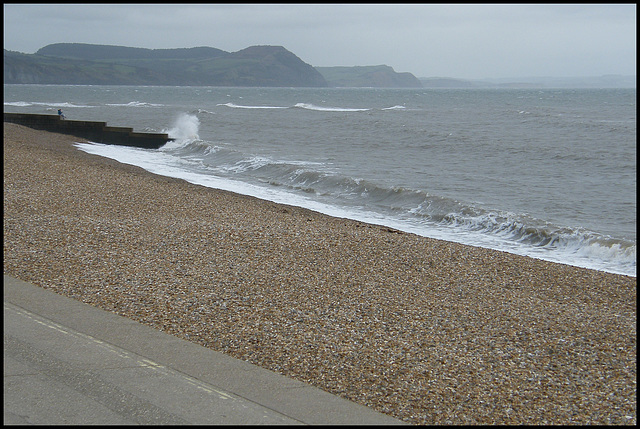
<point>411,210</point>
<point>328,109</point>
<point>299,105</point>
<point>236,106</point>
<point>420,211</point>
<point>403,208</point>
<point>17,103</point>
<point>204,112</point>
<point>135,104</point>
<point>50,104</point>
<point>184,131</point>
<point>309,106</point>
<point>523,229</point>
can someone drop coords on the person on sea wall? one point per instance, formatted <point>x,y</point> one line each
<point>61,114</point>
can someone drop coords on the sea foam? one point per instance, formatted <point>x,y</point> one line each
<point>236,106</point>
<point>328,109</point>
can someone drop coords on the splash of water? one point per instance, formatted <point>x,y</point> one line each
<point>185,128</point>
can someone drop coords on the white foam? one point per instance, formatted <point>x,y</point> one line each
<point>136,104</point>
<point>38,103</point>
<point>328,109</point>
<point>17,104</point>
<point>236,106</point>
<point>160,163</point>
<point>594,256</point>
<point>184,130</point>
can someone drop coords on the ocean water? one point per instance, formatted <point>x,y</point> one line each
<point>546,173</point>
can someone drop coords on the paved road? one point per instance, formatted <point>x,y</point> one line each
<point>66,362</point>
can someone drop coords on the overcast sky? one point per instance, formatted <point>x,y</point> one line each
<point>461,41</point>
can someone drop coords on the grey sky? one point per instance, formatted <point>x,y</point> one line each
<point>461,41</point>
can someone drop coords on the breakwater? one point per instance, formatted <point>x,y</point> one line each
<point>94,131</point>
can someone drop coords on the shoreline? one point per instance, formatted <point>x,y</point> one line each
<point>566,257</point>
<point>428,331</point>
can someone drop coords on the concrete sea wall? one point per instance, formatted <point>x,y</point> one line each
<point>97,132</point>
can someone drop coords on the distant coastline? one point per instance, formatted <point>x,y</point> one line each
<point>255,66</point>
<point>606,81</point>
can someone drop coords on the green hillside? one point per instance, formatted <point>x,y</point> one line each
<point>38,69</point>
<point>255,66</point>
<point>80,64</point>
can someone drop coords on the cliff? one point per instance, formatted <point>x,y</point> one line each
<point>381,76</point>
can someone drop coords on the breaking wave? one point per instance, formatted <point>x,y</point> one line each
<point>309,106</point>
<point>184,131</point>
<point>419,211</point>
<point>320,186</point>
<point>135,104</point>
<point>47,104</point>
<point>236,106</point>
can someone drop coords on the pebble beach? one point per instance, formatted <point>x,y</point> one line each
<point>427,331</point>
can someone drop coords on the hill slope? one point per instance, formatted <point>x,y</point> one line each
<point>37,69</point>
<point>80,64</point>
<point>83,51</point>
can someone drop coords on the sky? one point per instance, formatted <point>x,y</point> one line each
<point>472,41</point>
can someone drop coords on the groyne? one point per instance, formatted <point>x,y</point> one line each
<point>97,132</point>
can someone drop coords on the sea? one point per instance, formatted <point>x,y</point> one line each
<point>545,173</point>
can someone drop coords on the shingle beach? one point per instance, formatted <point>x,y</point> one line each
<point>428,331</point>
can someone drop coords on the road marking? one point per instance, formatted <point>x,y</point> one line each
<point>139,361</point>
